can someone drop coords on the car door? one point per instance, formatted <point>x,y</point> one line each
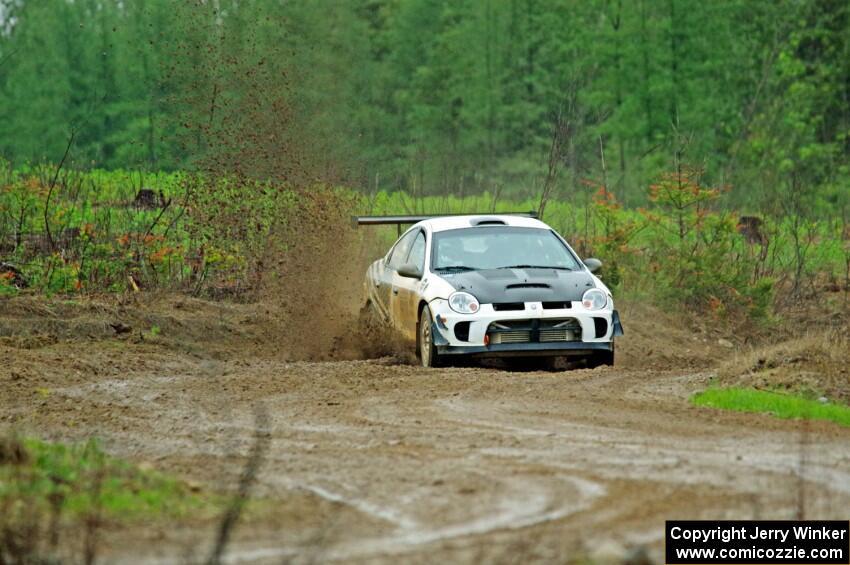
<point>404,298</point>
<point>387,275</point>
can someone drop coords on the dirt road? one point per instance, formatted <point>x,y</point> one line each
<point>372,460</point>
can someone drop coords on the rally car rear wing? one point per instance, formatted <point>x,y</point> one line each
<point>401,220</point>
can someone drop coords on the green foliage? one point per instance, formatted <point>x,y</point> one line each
<point>52,491</point>
<point>779,405</point>
<point>6,287</point>
<point>86,480</point>
<point>684,249</point>
<point>617,231</point>
<point>231,224</point>
<point>93,231</point>
<point>438,97</point>
<point>694,249</point>
<point>84,230</point>
<point>477,101</point>
<point>225,235</point>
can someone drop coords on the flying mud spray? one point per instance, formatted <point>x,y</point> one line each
<point>268,172</point>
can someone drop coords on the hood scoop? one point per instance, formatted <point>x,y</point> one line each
<point>491,286</point>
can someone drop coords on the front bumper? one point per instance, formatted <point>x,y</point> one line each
<point>565,349</point>
<point>598,329</point>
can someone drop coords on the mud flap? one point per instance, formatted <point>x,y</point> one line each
<point>618,327</point>
<point>437,336</point>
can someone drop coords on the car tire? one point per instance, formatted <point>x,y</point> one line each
<point>601,358</point>
<point>425,348</point>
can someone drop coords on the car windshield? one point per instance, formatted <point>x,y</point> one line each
<point>500,247</point>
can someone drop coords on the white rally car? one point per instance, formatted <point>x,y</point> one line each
<point>491,285</point>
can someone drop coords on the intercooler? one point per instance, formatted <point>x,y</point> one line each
<point>534,331</point>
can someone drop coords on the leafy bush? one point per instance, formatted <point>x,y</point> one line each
<point>94,231</point>
<point>225,236</point>
<point>695,250</point>
<point>617,230</point>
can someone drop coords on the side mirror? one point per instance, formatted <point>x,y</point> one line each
<point>410,271</point>
<point>592,264</point>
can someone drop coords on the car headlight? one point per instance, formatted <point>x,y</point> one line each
<point>463,303</point>
<point>594,299</point>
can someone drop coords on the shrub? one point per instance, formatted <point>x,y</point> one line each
<point>694,249</point>
<point>618,229</point>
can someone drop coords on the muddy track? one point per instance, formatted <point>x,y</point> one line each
<point>373,460</point>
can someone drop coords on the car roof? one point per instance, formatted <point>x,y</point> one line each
<point>444,223</point>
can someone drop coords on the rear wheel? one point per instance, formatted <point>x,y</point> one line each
<point>428,355</point>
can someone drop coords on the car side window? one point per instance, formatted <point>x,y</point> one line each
<point>401,249</point>
<point>417,251</point>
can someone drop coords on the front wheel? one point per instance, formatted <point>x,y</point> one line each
<point>428,355</point>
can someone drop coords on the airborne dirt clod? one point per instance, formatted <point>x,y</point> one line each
<point>372,460</point>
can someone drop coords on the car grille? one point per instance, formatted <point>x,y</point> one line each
<point>556,335</point>
<point>510,337</point>
<point>508,306</point>
<point>534,331</point>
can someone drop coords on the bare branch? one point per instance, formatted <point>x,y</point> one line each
<point>52,187</point>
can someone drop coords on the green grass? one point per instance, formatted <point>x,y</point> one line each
<point>82,480</point>
<point>56,500</point>
<point>779,405</point>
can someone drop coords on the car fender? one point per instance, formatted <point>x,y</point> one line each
<point>600,285</point>
<point>435,287</point>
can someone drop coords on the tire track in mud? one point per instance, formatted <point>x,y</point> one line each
<point>521,502</point>
<point>659,451</point>
<point>397,460</point>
